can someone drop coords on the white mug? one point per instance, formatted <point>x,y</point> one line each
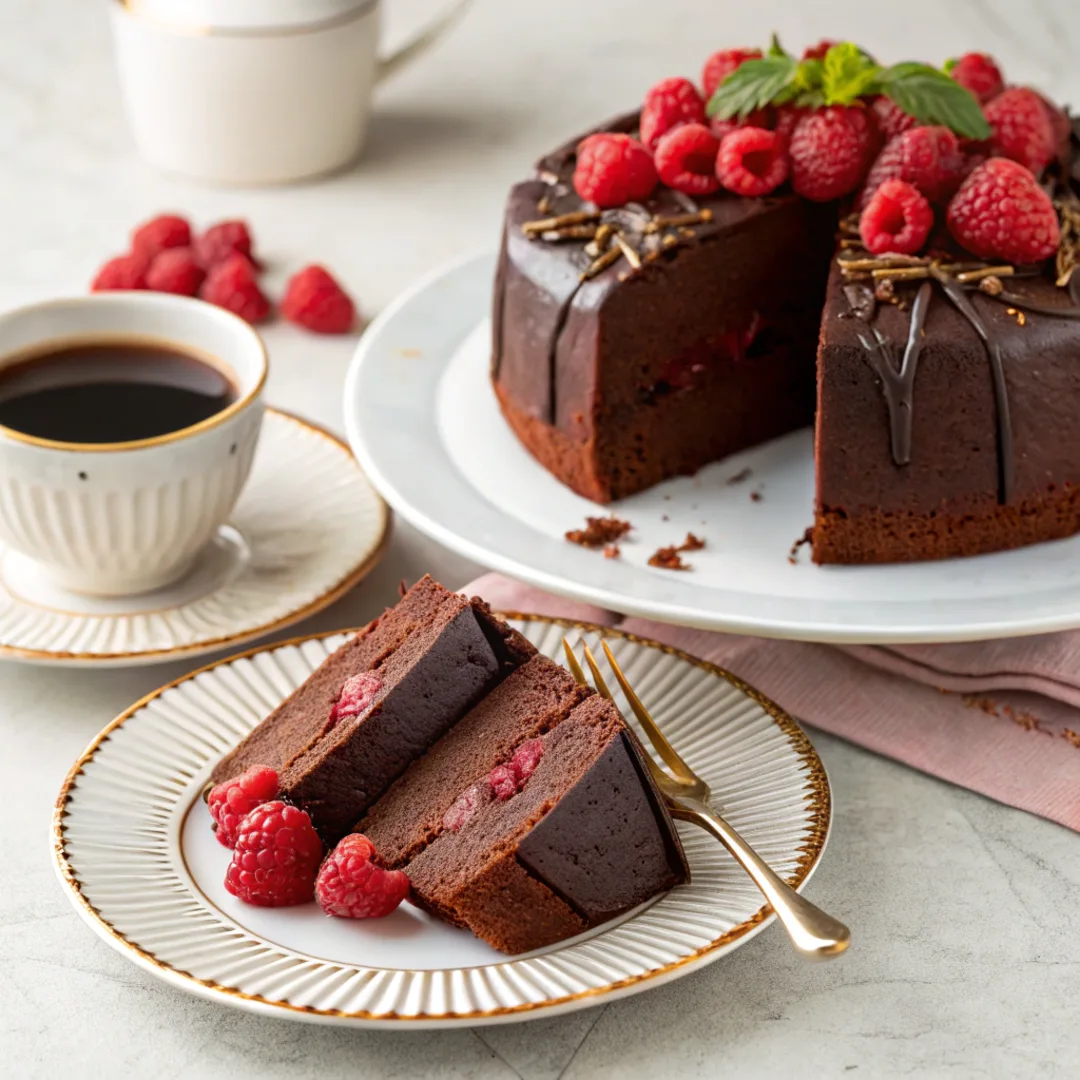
<point>254,91</point>
<point>112,519</point>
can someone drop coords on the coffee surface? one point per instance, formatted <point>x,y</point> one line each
<point>105,392</point>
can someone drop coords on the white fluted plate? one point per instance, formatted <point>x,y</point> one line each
<point>306,529</point>
<point>135,851</point>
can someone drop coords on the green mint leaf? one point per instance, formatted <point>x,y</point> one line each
<point>847,74</point>
<point>775,48</point>
<point>949,65</point>
<point>752,85</point>
<point>932,97</point>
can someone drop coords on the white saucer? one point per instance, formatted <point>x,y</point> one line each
<point>425,426</point>
<point>307,528</point>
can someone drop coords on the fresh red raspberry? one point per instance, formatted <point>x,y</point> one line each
<point>668,104</point>
<point>898,218</point>
<point>467,804</point>
<point>613,169</point>
<point>233,799</point>
<point>787,116</point>
<point>1001,212</point>
<point>164,231</point>
<point>686,159</point>
<point>221,240</point>
<point>352,885</point>
<point>831,150</point>
<point>314,300</point>
<point>721,64</point>
<point>276,857</point>
<point>818,51</point>
<point>507,780</point>
<point>978,73</point>
<point>891,119</point>
<point>232,284</point>
<point>123,272</point>
<point>1060,126</point>
<point>1020,128</point>
<point>930,158</point>
<point>752,161</point>
<point>503,781</point>
<point>766,118</point>
<point>175,270</point>
<point>356,696</point>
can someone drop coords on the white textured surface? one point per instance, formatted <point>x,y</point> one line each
<point>966,955</point>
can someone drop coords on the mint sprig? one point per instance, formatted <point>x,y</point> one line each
<point>753,85</point>
<point>932,97</point>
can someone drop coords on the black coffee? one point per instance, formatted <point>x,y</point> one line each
<point>105,392</point>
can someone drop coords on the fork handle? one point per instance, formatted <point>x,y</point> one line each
<point>813,932</point>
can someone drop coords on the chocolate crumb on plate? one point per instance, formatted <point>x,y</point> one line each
<point>740,476</point>
<point>668,558</point>
<point>599,531</point>
<point>755,496</point>
<point>806,538</point>
<point>611,551</point>
<point>691,543</point>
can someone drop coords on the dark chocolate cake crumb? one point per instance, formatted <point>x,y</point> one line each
<point>664,517</point>
<point>691,543</point>
<point>668,558</point>
<point>740,476</point>
<point>599,532</point>
<point>806,538</point>
<point>755,496</point>
<point>611,551</point>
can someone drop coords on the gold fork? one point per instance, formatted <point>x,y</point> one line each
<point>813,932</point>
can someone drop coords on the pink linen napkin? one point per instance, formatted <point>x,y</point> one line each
<point>998,717</point>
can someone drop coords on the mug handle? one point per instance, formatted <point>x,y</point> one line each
<point>405,54</point>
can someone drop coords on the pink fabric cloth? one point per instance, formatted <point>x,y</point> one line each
<point>999,717</point>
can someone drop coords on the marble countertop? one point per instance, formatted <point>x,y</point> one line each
<point>966,956</point>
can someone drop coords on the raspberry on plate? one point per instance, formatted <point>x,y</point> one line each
<point>978,73</point>
<point>160,233</point>
<point>686,159</point>
<point>232,800</point>
<point>721,64</point>
<point>1001,212</point>
<point>831,150</point>
<point>752,161</point>
<point>930,158</point>
<point>123,272</point>
<point>668,104</point>
<point>352,885</point>
<point>898,218</point>
<point>232,285</point>
<point>613,169</point>
<point>175,270</point>
<point>314,300</point>
<point>891,119</point>
<point>276,857</point>
<point>222,240</point>
<point>1021,129</point>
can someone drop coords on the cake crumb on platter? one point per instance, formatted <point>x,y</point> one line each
<point>740,476</point>
<point>806,538</point>
<point>611,551</point>
<point>668,558</point>
<point>599,532</point>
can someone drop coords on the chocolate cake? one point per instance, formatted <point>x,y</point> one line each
<point>639,342</point>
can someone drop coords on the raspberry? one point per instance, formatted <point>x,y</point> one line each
<point>503,782</point>
<point>123,272</point>
<point>1020,128</point>
<point>927,157</point>
<point>752,161</point>
<point>668,104</point>
<point>356,696</point>
<point>507,780</point>
<point>466,806</point>
<point>1000,212</point>
<point>276,857</point>
<point>686,159</point>
<point>352,886</point>
<point>233,799</point>
<point>891,119</point>
<point>831,149</point>
<point>818,51</point>
<point>787,116</point>
<point>898,218</point>
<point>613,169</point>
<point>766,118</point>
<point>1060,126</point>
<point>221,240</point>
<point>978,73</point>
<point>164,231</point>
<point>231,284</point>
<point>721,64</point>
<point>175,270</point>
<point>314,300</point>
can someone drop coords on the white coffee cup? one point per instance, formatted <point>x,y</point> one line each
<point>113,519</point>
<point>254,91</point>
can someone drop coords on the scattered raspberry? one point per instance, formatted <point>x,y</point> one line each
<point>352,886</point>
<point>668,104</point>
<point>232,285</point>
<point>233,799</point>
<point>1000,212</point>
<point>818,51</point>
<point>1060,127</point>
<point>613,169</point>
<point>831,149</point>
<point>276,857</point>
<point>752,161</point>
<point>721,64</point>
<point>123,272</point>
<point>466,806</point>
<point>1020,128</point>
<point>686,159</point>
<point>175,270</point>
<point>356,696</point>
<point>221,240</point>
<point>978,73</point>
<point>898,218</point>
<point>160,233</point>
<point>930,158</point>
<point>314,299</point>
<point>891,119</point>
